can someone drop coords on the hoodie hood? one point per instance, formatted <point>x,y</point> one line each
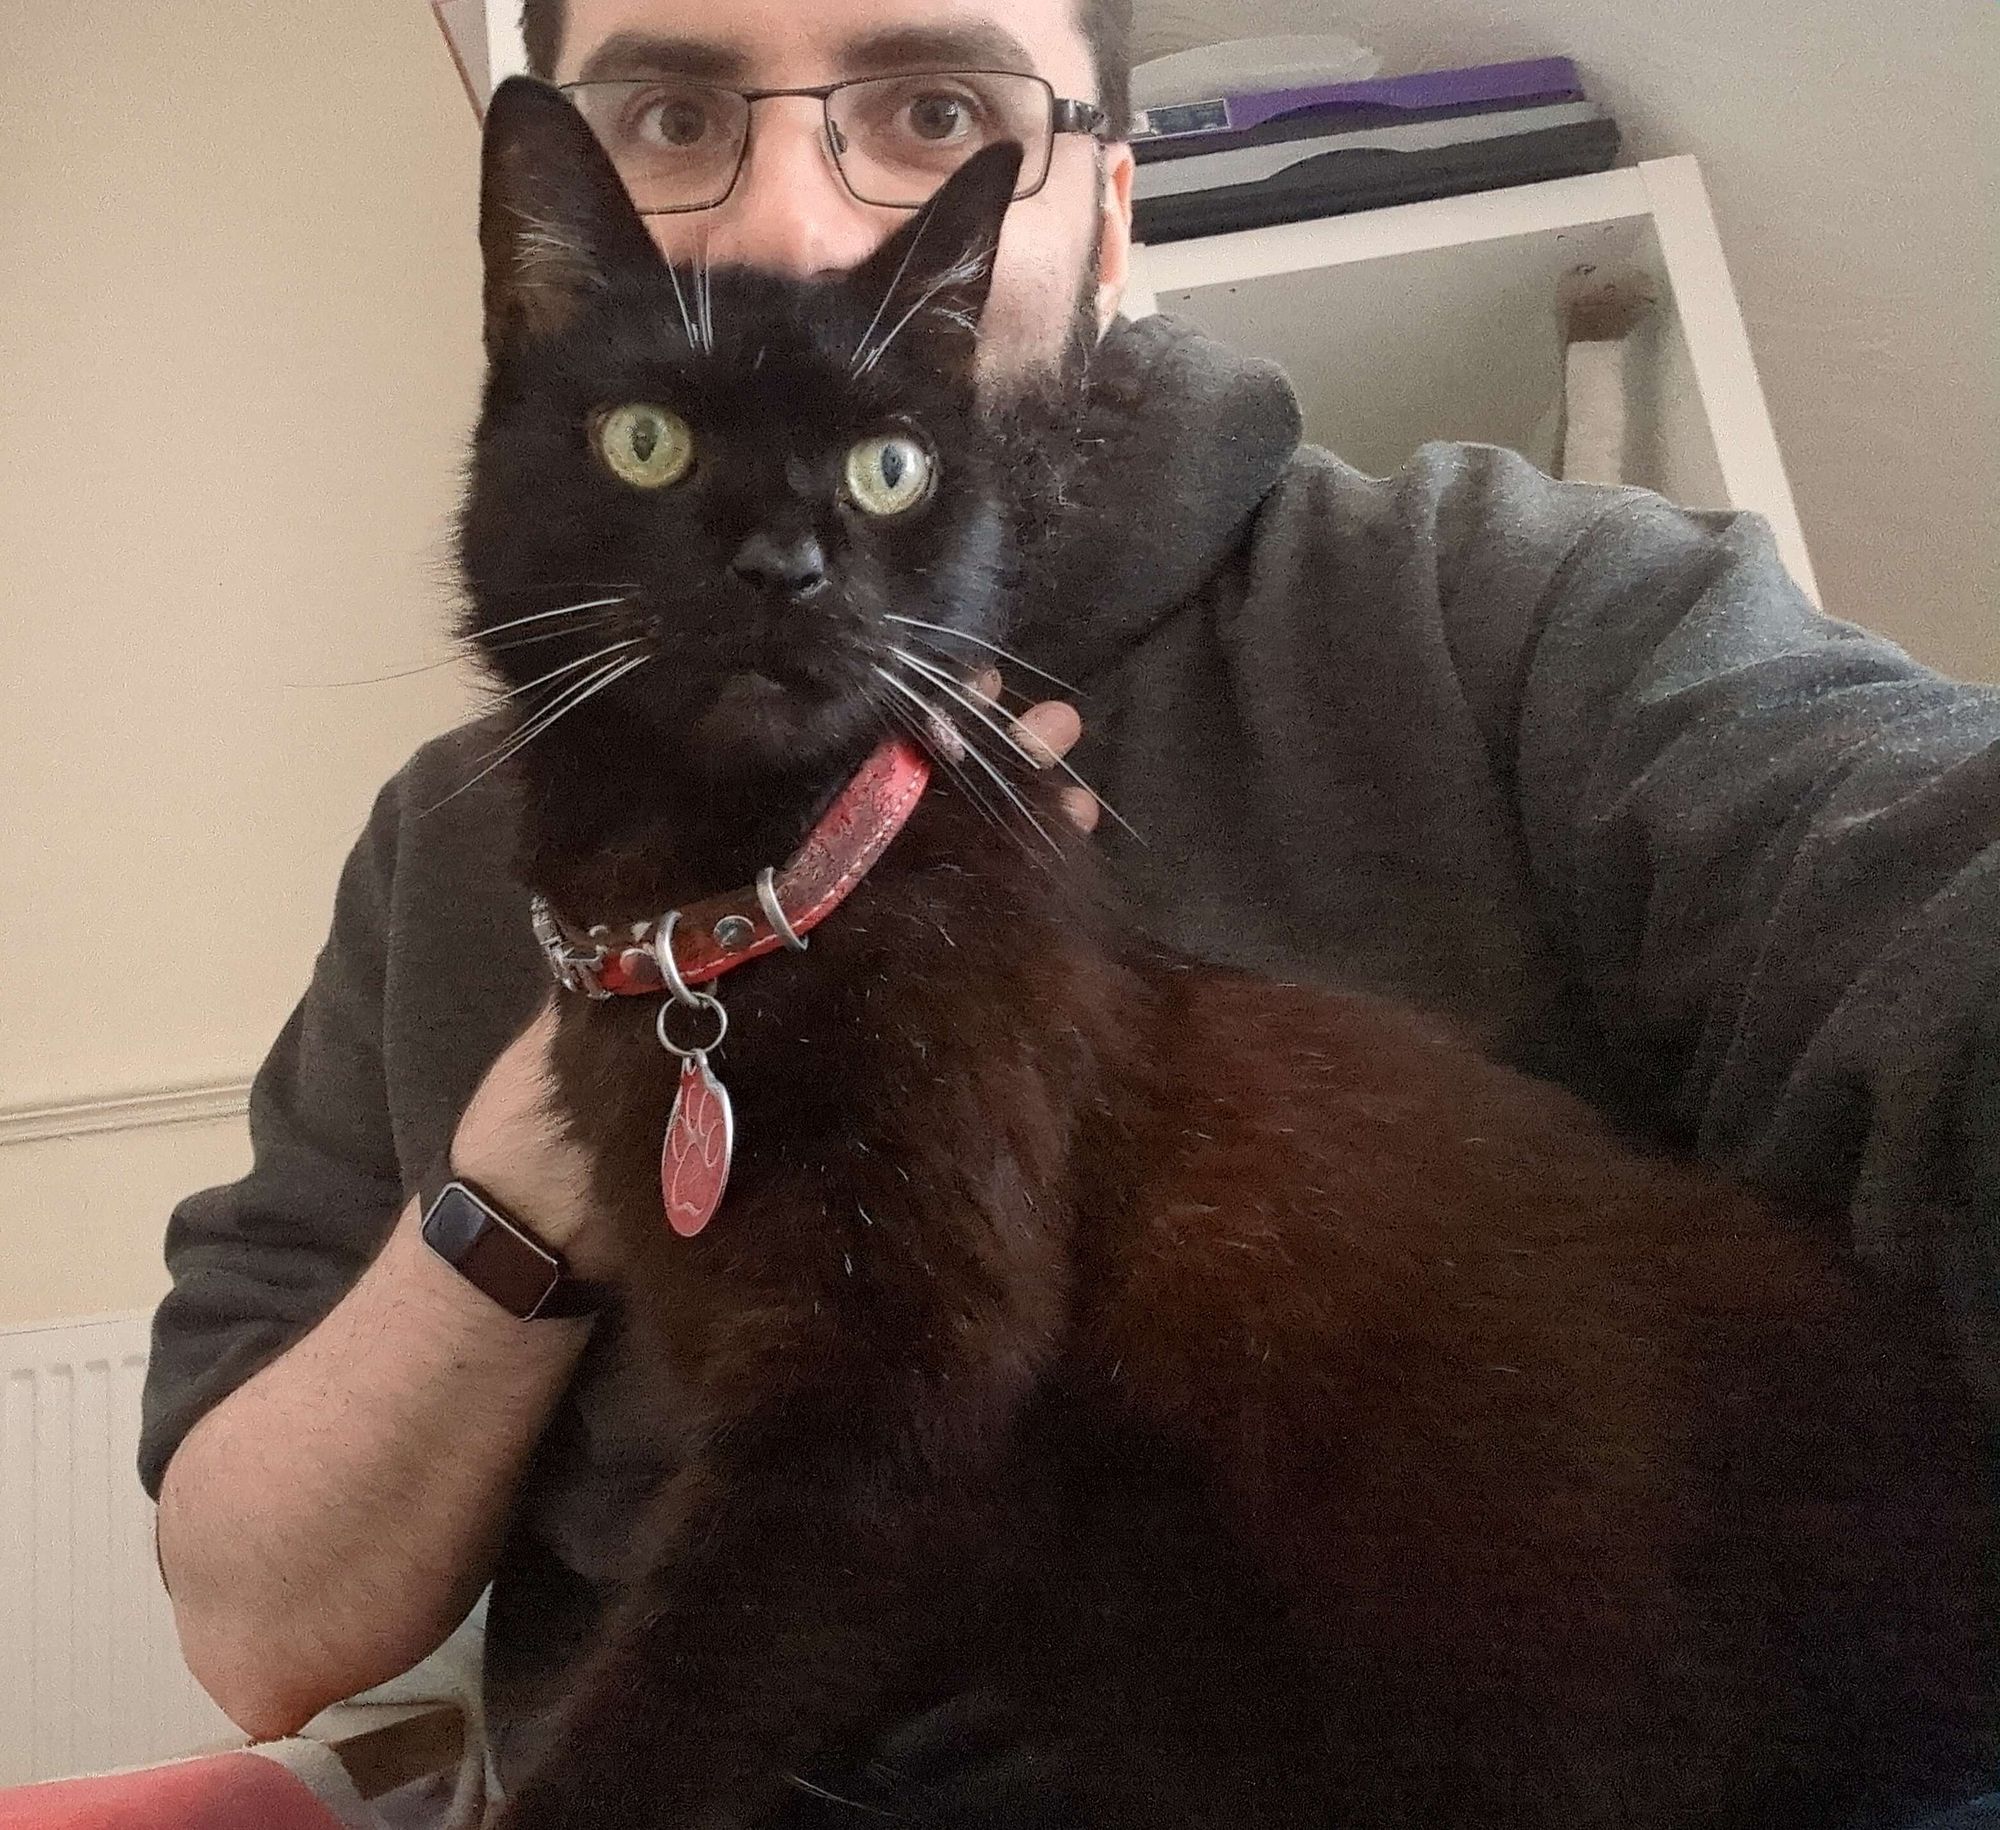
<point>1185,438</point>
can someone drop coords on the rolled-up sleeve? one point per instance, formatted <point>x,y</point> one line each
<point>257,1263</point>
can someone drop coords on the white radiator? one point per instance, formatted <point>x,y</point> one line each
<point>90,1674</point>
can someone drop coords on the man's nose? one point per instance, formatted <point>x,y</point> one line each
<point>790,212</point>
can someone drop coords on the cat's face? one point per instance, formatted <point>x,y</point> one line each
<point>744,480</point>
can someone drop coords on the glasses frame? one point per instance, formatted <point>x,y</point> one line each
<point>1066,115</point>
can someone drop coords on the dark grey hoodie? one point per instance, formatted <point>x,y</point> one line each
<point>1580,767</point>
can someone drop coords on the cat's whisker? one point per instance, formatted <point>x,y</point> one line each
<point>474,643</point>
<point>902,267</point>
<point>493,758</point>
<point>568,667</point>
<point>542,616</point>
<point>401,673</point>
<point>955,727</point>
<point>970,700</point>
<point>705,296</point>
<point>1006,654</point>
<point>592,625</point>
<point>967,784</point>
<point>927,733</point>
<point>680,299</point>
<point>833,1798</point>
<point>544,586</point>
<point>550,712</point>
<point>572,696</point>
<point>979,756</point>
<point>978,708</point>
<point>965,270</point>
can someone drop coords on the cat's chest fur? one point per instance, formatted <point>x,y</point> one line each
<point>906,1116</point>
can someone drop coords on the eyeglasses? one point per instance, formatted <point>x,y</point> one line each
<point>680,145</point>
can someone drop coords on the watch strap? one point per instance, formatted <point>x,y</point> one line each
<point>500,1256</point>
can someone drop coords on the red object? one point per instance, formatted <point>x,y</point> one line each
<point>836,855</point>
<point>713,935</point>
<point>235,1791</point>
<point>694,1160</point>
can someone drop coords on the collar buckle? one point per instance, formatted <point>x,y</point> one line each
<point>576,969</point>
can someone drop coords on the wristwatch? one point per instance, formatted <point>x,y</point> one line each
<point>493,1251</point>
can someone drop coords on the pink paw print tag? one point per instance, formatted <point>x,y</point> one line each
<point>694,1160</point>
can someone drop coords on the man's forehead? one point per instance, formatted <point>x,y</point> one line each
<point>779,42</point>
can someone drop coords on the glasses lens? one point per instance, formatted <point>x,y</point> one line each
<point>676,144</point>
<point>898,138</point>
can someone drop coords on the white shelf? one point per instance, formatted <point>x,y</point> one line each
<point>1440,320</point>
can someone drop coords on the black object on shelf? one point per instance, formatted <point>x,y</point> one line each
<point>1207,168</point>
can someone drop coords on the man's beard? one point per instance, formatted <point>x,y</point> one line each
<point>1080,344</point>
<point>1040,415</point>
<point>1068,374</point>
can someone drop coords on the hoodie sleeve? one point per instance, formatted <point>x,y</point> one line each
<point>257,1263</point>
<point>1768,842</point>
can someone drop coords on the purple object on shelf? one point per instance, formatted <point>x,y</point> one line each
<point>1541,79</point>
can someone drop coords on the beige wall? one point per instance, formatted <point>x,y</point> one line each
<point>1848,149</point>
<point>81,1217</point>
<point>239,339</point>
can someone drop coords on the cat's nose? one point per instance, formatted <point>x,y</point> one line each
<point>794,566</point>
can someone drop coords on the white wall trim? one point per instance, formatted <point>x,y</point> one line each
<point>14,1341</point>
<point>1718,345</point>
<point>199,1102</point>
<point>506,53</point>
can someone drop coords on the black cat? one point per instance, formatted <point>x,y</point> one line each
<point>1290,1417</point>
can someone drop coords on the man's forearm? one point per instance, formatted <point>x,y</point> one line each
<point>331,1520</point>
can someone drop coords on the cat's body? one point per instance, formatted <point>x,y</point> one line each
<point>1334,1428</point>
<point>1295,1419</point>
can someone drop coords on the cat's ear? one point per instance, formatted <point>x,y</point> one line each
<point>554,220</point>
<point>928,282</point>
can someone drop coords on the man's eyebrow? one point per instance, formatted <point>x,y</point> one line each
<point>635,54</point>
<point>977,44</point>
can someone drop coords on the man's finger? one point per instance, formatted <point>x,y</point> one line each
<point>1049,730</point>
<point>1081,806</point>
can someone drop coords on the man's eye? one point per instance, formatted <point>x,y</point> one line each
<point>938,117</point>
<point>674,121</point>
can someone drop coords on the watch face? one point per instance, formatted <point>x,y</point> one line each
<point>485,1247</point>
<point>456,1219</point>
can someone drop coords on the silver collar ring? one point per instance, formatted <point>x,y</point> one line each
<point>699,1000</point>
<point>663,951</point>
<point>774,913</point>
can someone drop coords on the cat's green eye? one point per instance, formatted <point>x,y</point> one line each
<point>646,446</point>
<point>889,473</point>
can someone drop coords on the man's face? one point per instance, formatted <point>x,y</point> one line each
<point>790,211</point>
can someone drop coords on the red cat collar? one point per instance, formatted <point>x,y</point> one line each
<point>778,910</point>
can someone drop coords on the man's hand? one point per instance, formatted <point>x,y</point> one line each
<point>511,1144</point>
<point>332,1519</point>
<point>1050,730</point>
